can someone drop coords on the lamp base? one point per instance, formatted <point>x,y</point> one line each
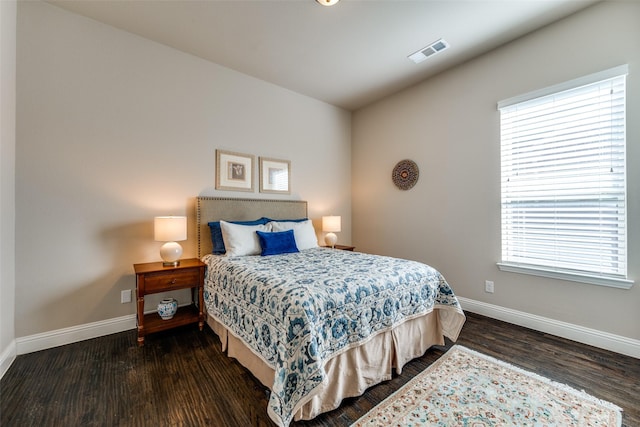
<point>170,253</point>
<point>171,264</point>
<point>330,239</point>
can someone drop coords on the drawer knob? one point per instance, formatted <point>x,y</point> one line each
<point>173,282</point>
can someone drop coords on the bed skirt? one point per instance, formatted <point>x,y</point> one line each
<point>350,373</point>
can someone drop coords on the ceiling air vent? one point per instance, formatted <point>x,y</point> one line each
<point>425,52</point>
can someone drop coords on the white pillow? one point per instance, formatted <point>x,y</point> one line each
<point>241,240</point>
<point>303,232</point>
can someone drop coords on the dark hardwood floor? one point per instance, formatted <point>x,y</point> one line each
<point>181,378</point>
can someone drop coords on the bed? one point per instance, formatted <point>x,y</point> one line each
<point>316,325</point>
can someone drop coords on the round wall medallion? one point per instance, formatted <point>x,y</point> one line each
<point>405,174</point>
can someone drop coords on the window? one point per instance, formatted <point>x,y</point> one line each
<point>564,181</point>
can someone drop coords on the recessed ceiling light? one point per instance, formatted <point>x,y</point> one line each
<point>425,52</point>
<point>327,2</point>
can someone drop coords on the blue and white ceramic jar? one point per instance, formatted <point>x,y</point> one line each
<point>167,308</point>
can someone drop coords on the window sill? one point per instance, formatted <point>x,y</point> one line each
<point>612,282</point>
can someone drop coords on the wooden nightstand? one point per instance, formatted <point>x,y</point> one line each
<point>342,247</point>
<point>153,277</point>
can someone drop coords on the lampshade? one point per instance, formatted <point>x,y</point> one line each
<point>331,223</point>
<point>170,229</point>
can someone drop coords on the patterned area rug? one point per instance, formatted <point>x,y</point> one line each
<point>470,389</point>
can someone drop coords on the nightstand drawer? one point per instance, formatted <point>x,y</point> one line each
<point>167,280</point>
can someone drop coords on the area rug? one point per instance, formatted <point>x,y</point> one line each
<point>470,389</point>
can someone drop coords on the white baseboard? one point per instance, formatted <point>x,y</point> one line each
<point>73,334</point>
<point>605,340</point>
<point>7,357</point>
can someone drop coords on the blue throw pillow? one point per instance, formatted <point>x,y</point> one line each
<point>216,233</point>
<point>288,220</point>
<point>278,242</point>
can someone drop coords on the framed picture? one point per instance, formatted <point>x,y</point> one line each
<point>234,171</point>
<point>275,175</point>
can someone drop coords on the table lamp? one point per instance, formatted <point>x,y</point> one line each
<point>331,225</point>
<point>170,229</point>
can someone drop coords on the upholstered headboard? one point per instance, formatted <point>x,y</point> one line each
<point>210,209</point>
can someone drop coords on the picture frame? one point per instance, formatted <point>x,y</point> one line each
<point>275,176</point>
<point>234,171</point>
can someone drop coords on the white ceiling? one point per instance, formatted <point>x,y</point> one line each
<point>348,55</point>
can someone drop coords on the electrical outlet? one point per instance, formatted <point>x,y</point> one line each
<point>125,296</point>
<point>488,286</point>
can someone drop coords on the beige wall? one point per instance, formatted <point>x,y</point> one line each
<point>450,126</point>
<point>113,129</point>
<point>7,173</point>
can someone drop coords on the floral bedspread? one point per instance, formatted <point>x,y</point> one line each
<point>298,310</point>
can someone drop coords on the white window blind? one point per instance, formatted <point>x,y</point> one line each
<point>564,180</point>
